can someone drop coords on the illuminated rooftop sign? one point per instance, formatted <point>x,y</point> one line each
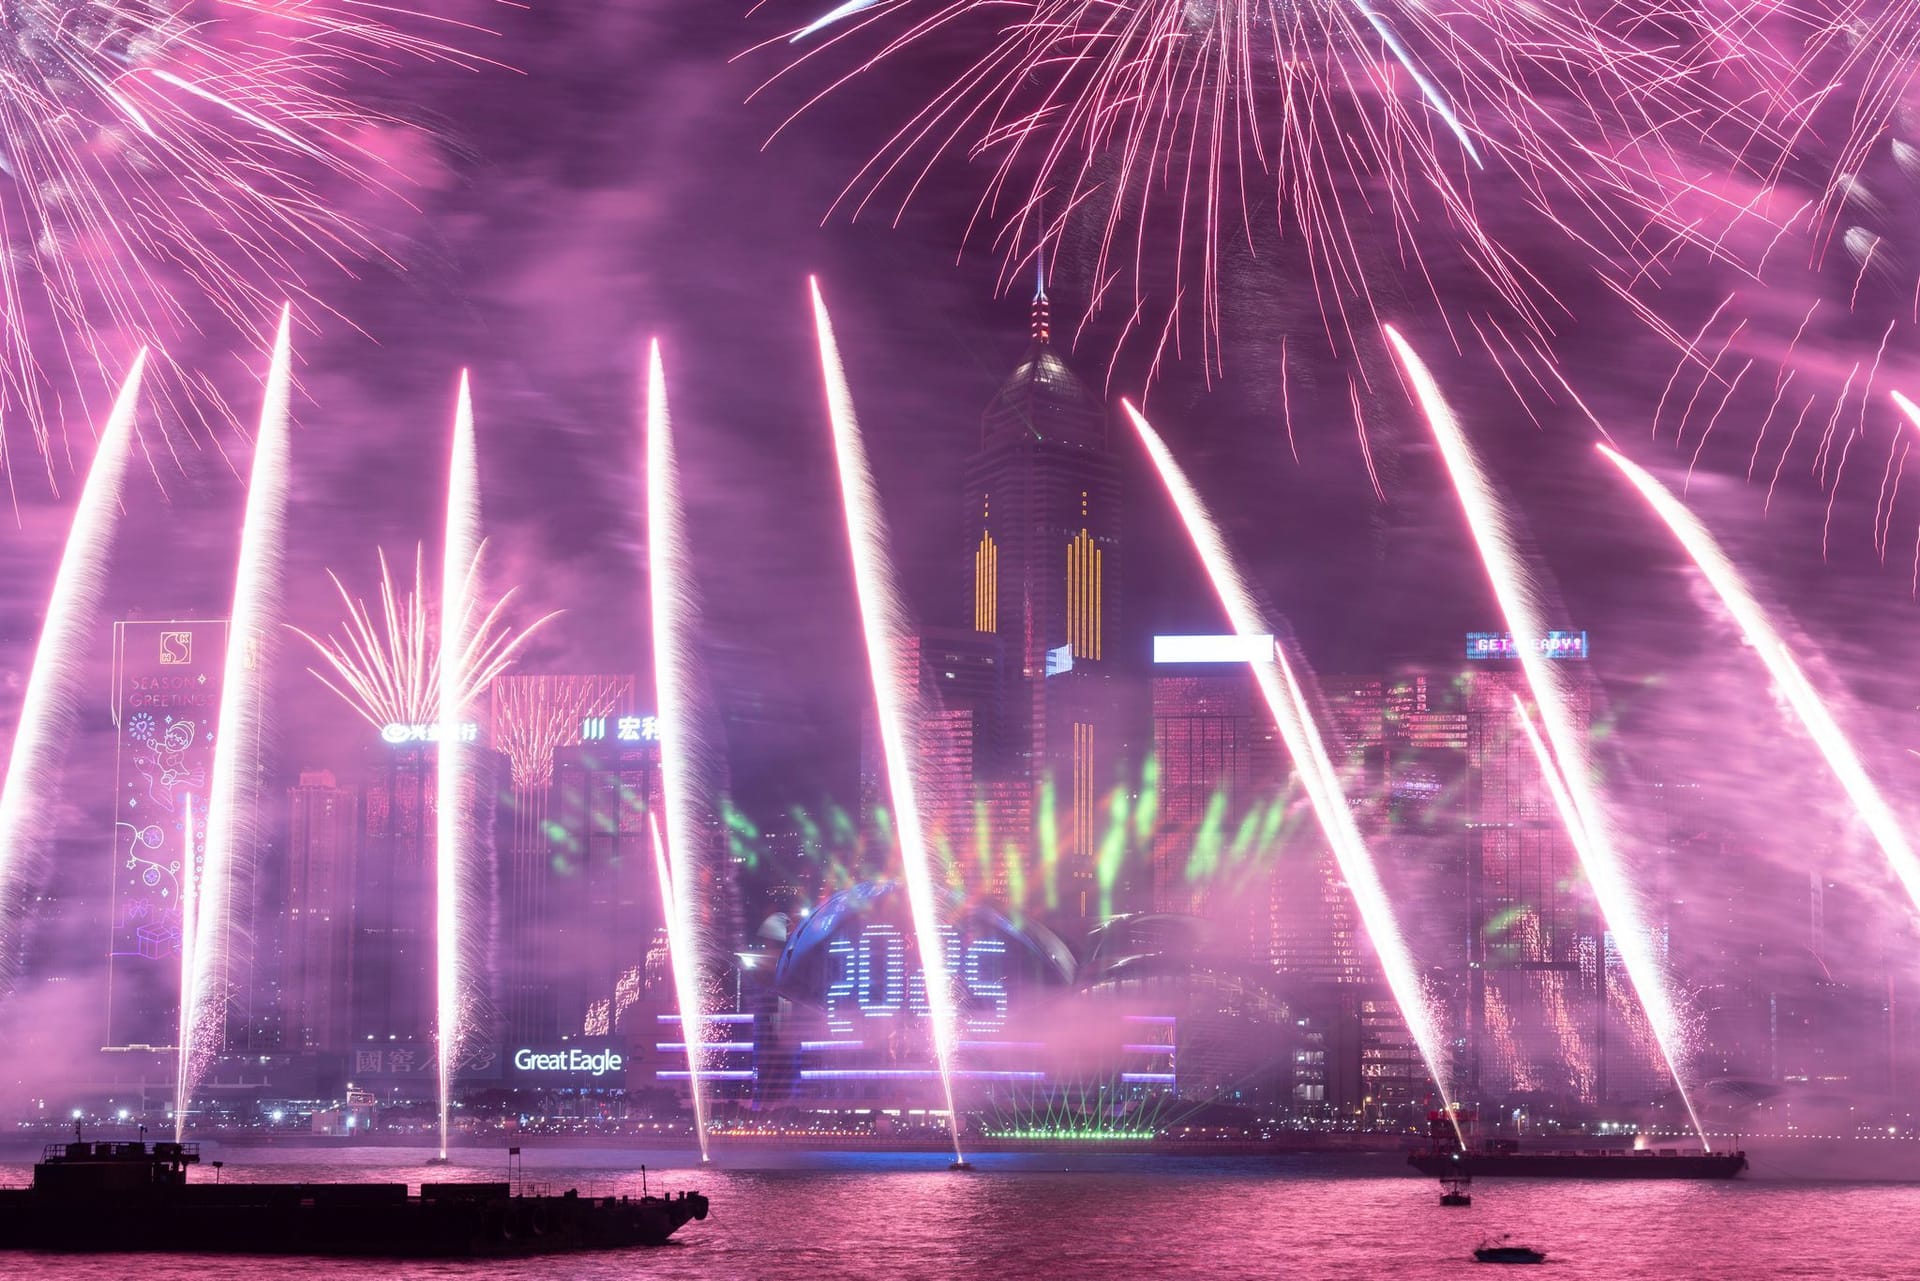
<point>572,1060</point>
<point>1498,645</point>
<point>626,729</point>
<point>1213,649</point>
<point>397,733</point>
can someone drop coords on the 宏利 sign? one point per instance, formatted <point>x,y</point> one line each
<point>1213,649</point>
<point>397,733</point>
<point>569,1061</point>
<point>626,729</point>
<point>1498,645</point>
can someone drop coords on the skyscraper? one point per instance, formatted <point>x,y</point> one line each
<point>392,949</point>
<point>166,700</point>
<point>1536,971</point>
<point>587,927</point>
<point>323,835</point>
<point>1042,528</point>
<point>1218,766</point>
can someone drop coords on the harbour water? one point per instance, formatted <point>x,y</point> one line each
<point>827,1216</point>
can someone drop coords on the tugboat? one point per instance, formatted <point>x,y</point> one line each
<point>1500,1252</point>
<point>97,1197</point>
<point>1449,1153</point>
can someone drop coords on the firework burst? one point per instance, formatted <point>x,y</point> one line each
<point>534,715</point>
<point>166,164</point>
<point>1354,130</point>
<point>386,666</point>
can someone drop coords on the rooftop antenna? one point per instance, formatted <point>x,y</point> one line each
<point>1041,325</point>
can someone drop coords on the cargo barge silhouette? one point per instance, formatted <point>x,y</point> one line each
<point>1450,1156</point>
<point>96,1197</point>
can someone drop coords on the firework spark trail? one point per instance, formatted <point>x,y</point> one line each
<point>1577,833</point>
<point>1807,705</point>
<point>204,973</point>
<point>533,716</point>
<point>459,573</point>
<point>163,162</point>
<point>387,669</point>
<point>189,883</point>
<point>1309,754</point>
<point>670,588</point>
<point>1169,128</point>
<point>1508,575</point>
<point>883,622</point>
<point>46,712</point>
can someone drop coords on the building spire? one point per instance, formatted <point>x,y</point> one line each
<point>1040,323</point>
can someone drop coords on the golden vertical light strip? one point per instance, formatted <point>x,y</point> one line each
<point>1099,629</point>
<point>1072,620</point>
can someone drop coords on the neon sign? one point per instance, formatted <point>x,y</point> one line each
<point>398,733</point>
<point>626,729</point>
<point>874,978</point>
<point>575,1061</point>
<point>1497,645</point>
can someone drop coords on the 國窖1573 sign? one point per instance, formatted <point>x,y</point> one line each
<point>1496,645</point>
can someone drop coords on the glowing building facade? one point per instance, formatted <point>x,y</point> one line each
<point>1042,531</point>
<point>323,836</point>
<point>1220,772</point>
<point>581,927</point>
<point>166,701</point>
<point>1537,991</point>
<point>392,959</point>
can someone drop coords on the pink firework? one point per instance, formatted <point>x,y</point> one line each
<point>168,166</point>
<point>1359,132</point>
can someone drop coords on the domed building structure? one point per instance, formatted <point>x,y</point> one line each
<point>1043,525</point>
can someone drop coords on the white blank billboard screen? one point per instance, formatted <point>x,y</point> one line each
<point>1212,649</point>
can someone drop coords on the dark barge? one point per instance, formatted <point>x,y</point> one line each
<point>96,1197</point>
<point>1450,1156</point>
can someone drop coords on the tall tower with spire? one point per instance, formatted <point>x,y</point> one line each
<point>1042,531</point>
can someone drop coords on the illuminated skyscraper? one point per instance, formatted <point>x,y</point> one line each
<point>323,834</point>
<point>584,930</point>
<point>1535,971</point>
<point>166,701</point>
<point>534,719</point>
<point>1218,766</point>
<point>392,949</point>
<point>1042,529</point>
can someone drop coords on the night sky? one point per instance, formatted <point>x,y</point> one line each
<point>611,181</point>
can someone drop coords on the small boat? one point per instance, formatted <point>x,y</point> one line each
<point>1501,1252</point>
<point>1453,1190</point>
